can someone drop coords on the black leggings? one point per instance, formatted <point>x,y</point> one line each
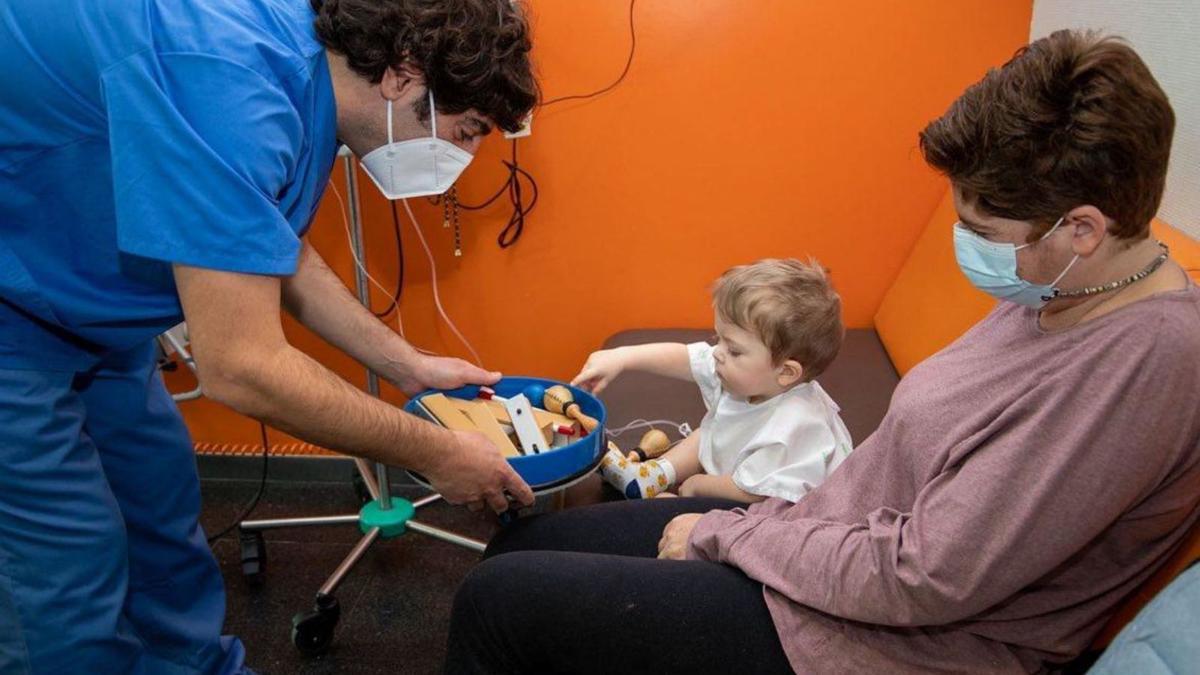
<point>581,592</point>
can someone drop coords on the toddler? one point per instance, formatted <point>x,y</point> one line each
<point>770,430</point>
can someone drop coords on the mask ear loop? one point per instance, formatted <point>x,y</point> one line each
<point>437,177</point>
<point>1041,238</point>
<point>389,121</point>
<point>1064,272</point>
<point>1054,284</point>
<point>432,114</point>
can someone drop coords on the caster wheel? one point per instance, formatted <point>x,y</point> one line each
<point>312,632</point>
<point>360,489</point>
<point>254,557</point>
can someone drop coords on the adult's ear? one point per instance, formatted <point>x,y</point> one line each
<point>399,81</point>
<point>1091,227</point>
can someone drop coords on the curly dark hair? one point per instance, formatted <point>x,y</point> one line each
<point>1074,118</point>
<point>474,54</point>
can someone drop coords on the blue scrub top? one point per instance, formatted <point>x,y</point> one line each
<point>141,133</point>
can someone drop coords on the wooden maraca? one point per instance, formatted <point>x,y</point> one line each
<point>653,444</point>
<point>560,400</point>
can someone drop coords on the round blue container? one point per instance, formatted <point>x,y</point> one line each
<point>556,467</point>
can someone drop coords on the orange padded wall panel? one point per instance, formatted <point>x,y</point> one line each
<point>743,130</point>
<point>931,303</point>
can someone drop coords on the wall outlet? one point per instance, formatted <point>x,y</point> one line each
<point>525,130</point>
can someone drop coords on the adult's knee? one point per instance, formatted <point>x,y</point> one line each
<point>481,624</point>
<point>490,584</point>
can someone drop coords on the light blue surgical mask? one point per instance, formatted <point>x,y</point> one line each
<point>992,268</point>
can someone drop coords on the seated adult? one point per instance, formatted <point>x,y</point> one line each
<point>1024,481</point>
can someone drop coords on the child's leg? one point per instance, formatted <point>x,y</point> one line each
<point>650,478</point>
<point>684,458</point>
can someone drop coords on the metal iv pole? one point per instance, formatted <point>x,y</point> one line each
<point>383,517</point>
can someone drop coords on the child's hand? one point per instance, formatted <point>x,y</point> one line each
<point>599,371</point>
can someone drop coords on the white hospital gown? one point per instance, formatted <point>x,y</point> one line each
<point>782,447</point>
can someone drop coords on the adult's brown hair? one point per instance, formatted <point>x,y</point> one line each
<point>1074,118</point>
<point>473,54</point>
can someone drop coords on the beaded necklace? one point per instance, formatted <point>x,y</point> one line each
<point>1112,286</point>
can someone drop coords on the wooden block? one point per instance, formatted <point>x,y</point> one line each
<point>479,414</point>
<point>447,413</point>
<point>545,418</point>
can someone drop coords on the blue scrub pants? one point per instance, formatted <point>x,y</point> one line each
<point>103,565</point>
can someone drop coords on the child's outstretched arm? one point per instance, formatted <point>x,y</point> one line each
<point>723,487</point>
<point>662,358</point>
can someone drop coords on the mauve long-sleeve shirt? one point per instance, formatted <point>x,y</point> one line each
<point>1020,486</point>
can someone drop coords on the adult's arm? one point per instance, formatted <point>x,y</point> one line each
<point>244,361</point>
<point>1012,510</point>
<point>317,298</point>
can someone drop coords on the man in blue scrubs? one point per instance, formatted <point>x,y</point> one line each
<point>162,160</point>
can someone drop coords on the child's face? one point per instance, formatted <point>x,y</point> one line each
<point>744,364</point>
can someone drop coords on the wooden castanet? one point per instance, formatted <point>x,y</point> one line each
<point>653,444</point>
<point>560,400</point>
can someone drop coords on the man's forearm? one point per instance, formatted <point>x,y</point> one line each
<point>290,391</point>
<point>317,298</point>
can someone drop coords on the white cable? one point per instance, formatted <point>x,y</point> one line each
<point>683,428</point>
<point>361,266</point>
<point>432,266</point>
<point>437,300</point>
<point>188,361</point>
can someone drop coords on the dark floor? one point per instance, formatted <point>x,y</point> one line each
<point>395,605</point>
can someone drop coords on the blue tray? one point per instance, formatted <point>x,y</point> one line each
<point>554,468</point>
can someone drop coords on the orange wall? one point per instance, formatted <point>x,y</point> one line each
<point>743,130</point>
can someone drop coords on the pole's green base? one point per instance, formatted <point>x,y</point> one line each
<point>391,523</point>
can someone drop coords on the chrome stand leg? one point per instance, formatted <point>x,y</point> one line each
<point>348,564</point>
<point>260,525</point>
<point>447,536</point>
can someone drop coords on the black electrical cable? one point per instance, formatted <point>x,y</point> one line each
<point>520,210</point>
<point>400,257</point>
<point>512,185</point>
<point>516,222</point>
<point>262,484</point>
<point>628,63</point>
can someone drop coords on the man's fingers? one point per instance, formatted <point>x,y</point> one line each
<point>497,501</point>
<point>475,507</point>
<point>471,374</point>
<point>519,489</point>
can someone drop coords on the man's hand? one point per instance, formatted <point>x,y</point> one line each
<point>437,372</point>
<point>599,370</point>
<point>674,542</point>
<point>470,471</point>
